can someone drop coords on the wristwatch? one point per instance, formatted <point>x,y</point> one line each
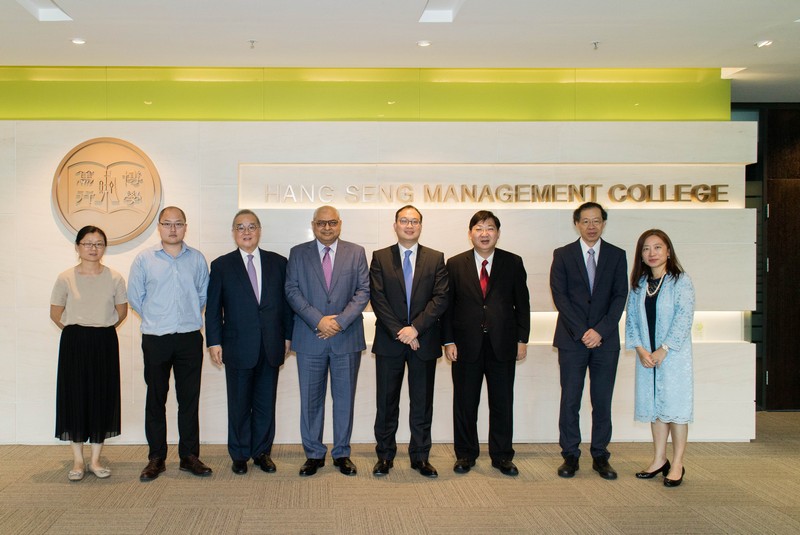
<point>665,347</point>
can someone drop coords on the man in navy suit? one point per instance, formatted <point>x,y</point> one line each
<point>408,290</point>
<point>327,286</point>
<point>486,330</point>
<point>589,285</point>
<point>248,328</point>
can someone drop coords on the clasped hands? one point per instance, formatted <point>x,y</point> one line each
<point>408,335</point>
<point>328,327</point>
<point>592,339</point>
<point>651,360</point>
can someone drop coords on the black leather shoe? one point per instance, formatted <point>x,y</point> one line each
<point>425,468</point>
<point>569,466</point>
<point>239,467</point>
<point>264,462</point>
<point>602,467</point>
<point>506,467</point>
<point>463,465</point>
<point>309,468</point>
<point>346,466</point>
<point>650,475</point>
<point>193,464</point>
<point>382,467</point>
<point>674,482</point>
<point>154,467</point>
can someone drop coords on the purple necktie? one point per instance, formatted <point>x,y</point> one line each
<point>327,268</point>
<point>251,272</point>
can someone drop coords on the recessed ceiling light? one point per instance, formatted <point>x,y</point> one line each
<point>44,10</point>
<point>762,44</point>
<point>423,43</point>
<point>78,41</point>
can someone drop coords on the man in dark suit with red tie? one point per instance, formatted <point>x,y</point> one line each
<point>408,291</point>
<point>486,330</point>
<point>248,328</point>
<point>589,284</point>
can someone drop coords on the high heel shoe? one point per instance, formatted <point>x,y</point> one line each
<point>674,482</point>
<point>650,475</point>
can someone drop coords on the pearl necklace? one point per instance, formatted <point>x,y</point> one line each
<point>658,287</point>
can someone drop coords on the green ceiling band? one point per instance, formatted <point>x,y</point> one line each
<point>299,94</point>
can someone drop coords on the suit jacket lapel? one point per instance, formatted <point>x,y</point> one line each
<point>397,267</point>
<point>475,275</point>
<point>265,274</point>
<point>243,277</point>
<point>315,261</point>
<point>339,261</point>
<point>580,263</point>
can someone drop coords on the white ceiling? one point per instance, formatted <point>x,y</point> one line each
<point>383,33</point>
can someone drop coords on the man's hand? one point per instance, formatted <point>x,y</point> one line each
<point>287,347</point>
<point>328,327</point>
<point>216,354</point>
<point>407,334</point>
<point>522,350</point>
<point>592,339</point>
<point>451,352</point>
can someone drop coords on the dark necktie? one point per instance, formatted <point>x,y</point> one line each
<point>251,273</point>
<point>484,278</point>
<point>408,275</point>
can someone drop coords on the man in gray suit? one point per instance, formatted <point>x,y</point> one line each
<point>327,286</point>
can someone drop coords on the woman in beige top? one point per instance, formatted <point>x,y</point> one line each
<point>88,302</point>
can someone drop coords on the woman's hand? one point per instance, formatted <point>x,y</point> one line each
<point>645,358</point>
<point>658,356</point>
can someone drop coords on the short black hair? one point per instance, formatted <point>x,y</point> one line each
<point>483,215</point>
<point>406,207</point>
<point>576,215</point>
<point>90,229</point>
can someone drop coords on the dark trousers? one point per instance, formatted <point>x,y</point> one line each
<point>467,382</point>
<point>183,353</point>
<point>251,409</point>
<point>602,366</point>
<point>389,382</point>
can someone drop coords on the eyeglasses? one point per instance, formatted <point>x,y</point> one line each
<point>241,229</point>
<point>405,222</point>
<point>333,223</point>
<point>587,222</point>
<point>87,245</point>
<point>176,226</point>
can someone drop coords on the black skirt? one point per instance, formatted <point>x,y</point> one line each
<point>87,390</point>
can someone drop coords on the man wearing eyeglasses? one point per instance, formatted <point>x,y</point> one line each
<point>588,281</point>
<point>167,288</point>
<point>408,290</point>
<point>248,328</point>
<point>327,286</point>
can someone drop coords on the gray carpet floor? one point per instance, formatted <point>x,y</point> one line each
<point>729,488</point>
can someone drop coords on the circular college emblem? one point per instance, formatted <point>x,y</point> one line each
<point>108,183</point>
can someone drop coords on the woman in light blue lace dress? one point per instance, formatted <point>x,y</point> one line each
<point>659,328</point>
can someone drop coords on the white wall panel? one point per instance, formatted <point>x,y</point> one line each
<point>199,164</point>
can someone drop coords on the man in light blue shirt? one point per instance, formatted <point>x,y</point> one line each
<point>167,288</point>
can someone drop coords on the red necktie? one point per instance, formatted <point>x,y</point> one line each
<point>484,278</point>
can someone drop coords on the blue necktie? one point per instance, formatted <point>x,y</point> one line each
<point>408,275</point>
